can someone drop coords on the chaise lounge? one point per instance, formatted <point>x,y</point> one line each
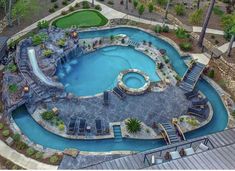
<point>119,93</point>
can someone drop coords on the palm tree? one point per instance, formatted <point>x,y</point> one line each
<point>167,8</point>
<point>198,4</point>
<point>232,31</point>
<point>9,14</point>
<point>205,24</point>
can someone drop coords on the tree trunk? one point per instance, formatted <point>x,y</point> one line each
<point>167,8</point>
<point>9,15</point>
<point>93,3</point>
<point>198,4</point>
<point>230,46</point>
<point>205,24</point>
<point>127,4</point>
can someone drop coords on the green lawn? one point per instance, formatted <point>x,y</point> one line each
<point>86,18</point>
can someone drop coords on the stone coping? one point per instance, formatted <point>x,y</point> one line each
<point>133,91</point>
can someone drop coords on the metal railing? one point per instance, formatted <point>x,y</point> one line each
<point>162,151</point>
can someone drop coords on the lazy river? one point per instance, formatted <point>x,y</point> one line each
<point>39,135</point>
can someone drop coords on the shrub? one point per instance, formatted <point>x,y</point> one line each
<point>1,126</point>
<point>47,53</point>
<point>216,42</point>
<point>11,67</point>
<point>71,8</point>
<point>85,5</point>
<point>150,7</point>
<point>211,73</point>
<point>196,17</point>
<point>61,42</point>
<point>63,12</point>
<point>181,33</point>
<point>51,10</point>
<point>218,11</point>
<point>133,125</point>
<point>13,88</point>
<point>39,38</point>
<point>98,7</point>
<point>48,115</point>
<point>30,151</point>
<point>110,2</point>
<point>61,127</point>
<point>43,24</point>
<point>158,29</point>
<point>64,2</point>
<point>180,9</point>
<point>162,2</point>
<point>77,5</point>
<point>38,155</point>
<point>56,6</point>
<point>185,46</point>
<point>165,29</point>
<point>53,159</point>
<point>16,137</point>
<point>53,1</point>
<point>212,36</point>
<point>141,9</point>
<point>21,145</point>
<point>112,37</point>
<point>135,3</point>
<point>6,133</point>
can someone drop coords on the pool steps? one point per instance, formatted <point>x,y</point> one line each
<point>117,133</point>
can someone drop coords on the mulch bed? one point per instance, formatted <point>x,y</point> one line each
<point>8,165</point>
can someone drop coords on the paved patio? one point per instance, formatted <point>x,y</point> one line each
<point>149,108</point>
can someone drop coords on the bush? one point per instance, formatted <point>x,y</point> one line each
<point>38,155</point>
<point>98,7</point>
<point>61,127</point>
<point>6,133</point>
<point>158,29</point>
<point>77,5</point>
<point>196,17</point>
<point>165,29</point>
<point>53,159</point>
<point>53,1</point>
<point>218,11</point>
<point>48,115</point>
<point>11,67</point>
<point>141,9</point>
<point>185,46</point>
<point>64,2</point>
<point>63,12</point>
<point>71,8</point>
<point>180,9</point>
<point>13,88</point>
<point>30,151</point>
<point>21,145</point>
<point>39,38</point>
<point>181,33</point>
<point>1,126</point>
<point>56,6</point>
<point>51,10</point>
<point>162,2</point>
<point>43,24</point>
<point>133,125</point>
<point>61,42</point>
<point>47,53</point>
<point>211,73</point>
<point>150,7</point>
<point>135,3</point>
<point>85,5</point>
<point>16,137</point>
<point>110,2</point>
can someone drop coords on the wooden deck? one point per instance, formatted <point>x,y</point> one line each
<point>221,157</point>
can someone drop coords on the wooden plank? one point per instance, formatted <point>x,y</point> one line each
<point>177,165</point>
<point>216,140</point>
<point>105,166</point>
<point>115,167</point>
<point>229,135</point>
<point>167,166</point>
<point>188,163</point>
<point>211,161</point>
<point>129,162</point>
<point>203,159</point>
<point>119,164</point>
<point>223,138</point>
<point>99,166</point>
<point>216,159</point>
<point>184,166</point>
<point>224,156</point>
<point>124,163</point>
<point>133,162</point>
<point>194,162</point>
<point>139,162</point>
<point>109,165</point>
<point>199,162</point>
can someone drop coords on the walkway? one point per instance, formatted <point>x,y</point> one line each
<point>110,14</point>
<point>224,47</point>
<point>21,160</point>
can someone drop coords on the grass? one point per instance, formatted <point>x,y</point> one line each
<point>83,19</point>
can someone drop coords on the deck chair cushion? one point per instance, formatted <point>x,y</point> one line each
<point>175,155</point>
<point>189,151</point>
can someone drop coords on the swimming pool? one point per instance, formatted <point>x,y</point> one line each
<point>39,135</point>
<point>97,71</point>
<point>133,80</point>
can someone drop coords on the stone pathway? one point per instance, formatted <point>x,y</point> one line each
<point>224,47</point>
<point>21,160</point>
<point>110,14</point>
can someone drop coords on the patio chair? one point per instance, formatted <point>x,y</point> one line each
<point>189,151</point>
<point>119,93</point>
<point>175,155</point>
<point>72,126</point>
<point>82,126</point>
<point>199,113</point>
<point>191,94</point>
<point>202,147</point>
<point>98,126</point>
<point>202,102</point>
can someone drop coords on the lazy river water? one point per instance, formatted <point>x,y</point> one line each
<point>39,135</point>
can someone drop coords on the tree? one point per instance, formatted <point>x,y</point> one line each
<point>9,13</point>
<point>135,3</point>
<point>127,4</point>
<point>205,24</point>
<point>151,7</point>
<point>93,3</point>
<point>3,4</point>
<point>198,4</point>
<point>141,9</point>
<point>167,8</point>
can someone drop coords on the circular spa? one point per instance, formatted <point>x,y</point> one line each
<point>133,81</point>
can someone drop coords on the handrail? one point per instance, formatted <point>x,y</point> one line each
<point>167,136</point>
<point>179,130</point>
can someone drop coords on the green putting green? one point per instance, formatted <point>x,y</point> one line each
<point>85,18</point>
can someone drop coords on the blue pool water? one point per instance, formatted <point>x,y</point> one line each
<point>133,80</point>
<point>40,136</point>
<point>97,71</point>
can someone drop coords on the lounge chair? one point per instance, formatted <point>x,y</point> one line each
<point>82,126</point>
<point>98,126</point>
<point>106,98</point>
<point>189,151</point>
<point>202,102</point>
<point>191,94</point>
<point>72,126</point>
<point>199,113</point>
<point>175,155</point>
<point>119,93</point>
<point>202,147</point>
